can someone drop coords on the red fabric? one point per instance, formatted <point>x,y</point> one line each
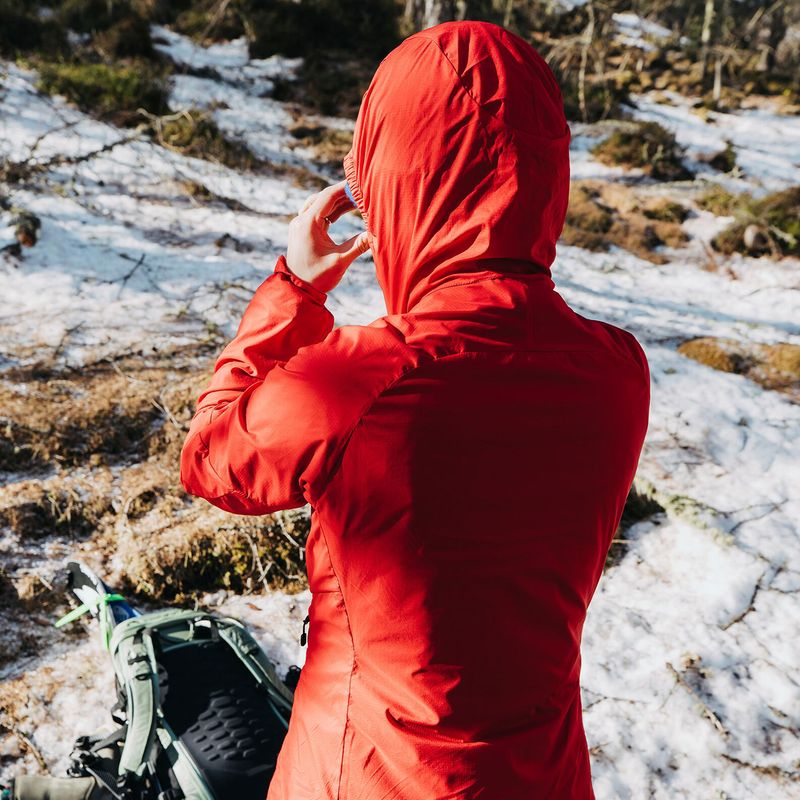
<point>466,457</point>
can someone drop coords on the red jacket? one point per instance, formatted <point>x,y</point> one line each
<point>466,457</point>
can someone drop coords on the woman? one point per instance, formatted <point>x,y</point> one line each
<point>466,457</point>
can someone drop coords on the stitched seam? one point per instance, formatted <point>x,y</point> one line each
<point>353,665</point>
<point>469,94</point>
<point>458,283</point>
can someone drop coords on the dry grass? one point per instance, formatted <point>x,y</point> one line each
<point>603,214</point>
<point>111,438</point>
<point>646,146</point>
<point>775,366</point>
<point>101,415</point>
<point>329,145</point>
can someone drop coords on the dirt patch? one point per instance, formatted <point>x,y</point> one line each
<point>775,366</point>
<point>601,214</point>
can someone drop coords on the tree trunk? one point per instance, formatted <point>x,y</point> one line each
<point>705,36</point>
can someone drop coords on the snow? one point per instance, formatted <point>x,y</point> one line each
<point>765,142</point>
<point>690,653</point>
<point>635,31</point>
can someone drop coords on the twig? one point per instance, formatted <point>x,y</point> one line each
<point>710,715</point>
<point>31,747</point>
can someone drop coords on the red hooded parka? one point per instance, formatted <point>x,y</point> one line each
<point>466,457</point>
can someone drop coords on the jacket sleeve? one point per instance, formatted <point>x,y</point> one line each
<point>257,435</point>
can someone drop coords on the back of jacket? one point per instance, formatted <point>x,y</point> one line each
<point>466,457</point>
<point>466,529</point>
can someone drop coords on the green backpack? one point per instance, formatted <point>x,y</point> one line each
<point>202,713</point>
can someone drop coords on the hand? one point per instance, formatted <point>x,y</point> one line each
<point>311,254</point>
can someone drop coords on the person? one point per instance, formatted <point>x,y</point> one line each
<point>466,456</point>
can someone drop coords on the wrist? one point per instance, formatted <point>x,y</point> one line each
<point>282,268</point>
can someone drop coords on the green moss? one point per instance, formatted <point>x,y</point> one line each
<point>769,226</point>
<point>647,146</point>
<point>718,201</point>
<point>194,133</point>
<point>110,92</point>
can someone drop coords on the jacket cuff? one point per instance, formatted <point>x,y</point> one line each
<point>317,295</point>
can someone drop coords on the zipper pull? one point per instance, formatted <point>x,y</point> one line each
<point>303,637</point>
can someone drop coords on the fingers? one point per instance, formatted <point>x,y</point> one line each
<point>324,203</point>
<point>351,249</point>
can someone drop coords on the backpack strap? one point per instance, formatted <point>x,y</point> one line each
<point>134,662</point>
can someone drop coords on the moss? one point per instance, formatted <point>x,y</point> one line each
<point>718,201</point>
<point>194,133</point>
<point>646,146</point>
<point>110,92</point>
<point>768,226</point>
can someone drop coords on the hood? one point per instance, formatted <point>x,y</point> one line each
<point>460,160</point>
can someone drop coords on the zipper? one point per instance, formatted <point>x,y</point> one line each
<point>303,637</point>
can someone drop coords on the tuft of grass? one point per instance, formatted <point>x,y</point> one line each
<point>330,145</point>
<point>719,354</point>
<point>666,211</point>
<point>193,132</point>
<point>638,507</point>
<point>183,561</point>
<point>648,146</point>
<point>115,93</point>
<point>769,226</point>
<point>775,366</point>
<point>718,201</point>
<point>46,512</point>
<point>96,417</point>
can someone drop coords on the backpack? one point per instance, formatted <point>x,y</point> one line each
<point>202,713</point>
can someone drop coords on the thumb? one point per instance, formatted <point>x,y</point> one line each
<point>354,247</point>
